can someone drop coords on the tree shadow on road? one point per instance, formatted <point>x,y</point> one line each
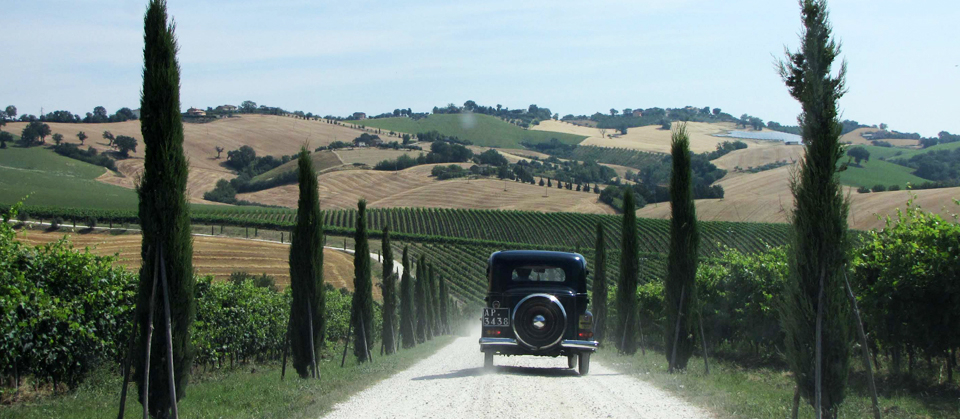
<point>525,371</point>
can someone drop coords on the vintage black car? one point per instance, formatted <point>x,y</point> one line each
<point>536,304</point>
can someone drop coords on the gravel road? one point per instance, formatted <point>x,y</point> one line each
<point>452,383</point>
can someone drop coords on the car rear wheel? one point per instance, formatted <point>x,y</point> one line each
<point>488,360</point>
<point>571,361</point>
<point>539,321</point>
<point>584,364</point>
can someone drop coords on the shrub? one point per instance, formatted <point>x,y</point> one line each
<point>91,222</point>
<point>55,223</point>
<point>863,189</point>
<point>878,188</point>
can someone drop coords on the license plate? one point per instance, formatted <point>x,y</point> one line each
<point>496,317</point>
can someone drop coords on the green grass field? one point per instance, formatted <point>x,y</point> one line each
<point>878,172</point>
<point>487,131</point>
<point>321,161</point>
<point>734,390</point>
<point>55,180</point>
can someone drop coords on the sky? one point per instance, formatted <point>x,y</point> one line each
<point>336,58</point>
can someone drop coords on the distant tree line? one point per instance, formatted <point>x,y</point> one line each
<point>248,165</point>
<point>937,166</point>
<point>440,152</point>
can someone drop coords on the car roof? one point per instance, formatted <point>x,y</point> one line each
<point>536,256</point>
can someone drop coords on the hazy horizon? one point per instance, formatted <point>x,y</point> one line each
<point>574,59</point>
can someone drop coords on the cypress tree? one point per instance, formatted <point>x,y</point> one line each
<point>434,297</point>
<point>164,217</point>
<point>389,295</point>
<point>626,334</point>
<point>362,307</point>
<point>682,259</point>
<point>818,258</point>
<point>428,300</point>
<point>420,301</point>
<point>600,286</point>
<point>444,299</point>
<point>306,271</point>
<point>408,319</point>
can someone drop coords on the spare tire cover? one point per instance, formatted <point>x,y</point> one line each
<point>539,321</point>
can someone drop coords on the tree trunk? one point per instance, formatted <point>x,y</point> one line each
<point>346,344</point>
<point>796,402</point>
<point>676,334</point>
<point>703,343</point>
<point>863,346</point>
<point>286,345</point>
<point>313,352</point>
<point>169,336</point>
<point>126,368</point>
<point>818,374</point>
<point>146,370</point>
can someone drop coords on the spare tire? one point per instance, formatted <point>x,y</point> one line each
<point>539,321</point>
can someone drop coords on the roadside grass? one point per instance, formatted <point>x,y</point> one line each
<point>736,390</point>
<point>481,130</point>
<point>250,391</point>
<point>879,172</point>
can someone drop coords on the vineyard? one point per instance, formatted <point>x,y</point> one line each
<point>459,242</point>
<point>619,156</point>
<point>559,231</point>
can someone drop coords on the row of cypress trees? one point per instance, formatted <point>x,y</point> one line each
<point>815,315</point>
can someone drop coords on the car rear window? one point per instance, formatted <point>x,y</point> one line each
<point>538,274</point>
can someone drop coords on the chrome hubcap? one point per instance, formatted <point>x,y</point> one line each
<point>539,322</point>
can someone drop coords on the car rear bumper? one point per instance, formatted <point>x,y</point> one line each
<point>505,343</point>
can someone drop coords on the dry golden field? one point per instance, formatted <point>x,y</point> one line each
<point>648,138</point>
<point>267,134</point>
<point>758,155</point>
<point>217,256</point>
<point>414,187</point>
<point>765,197</point>
<point>372,156</point>
<point>855,137</point>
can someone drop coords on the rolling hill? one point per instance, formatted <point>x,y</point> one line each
<point>481,130</point>
<point>267,134</point>
<point>414,187</point>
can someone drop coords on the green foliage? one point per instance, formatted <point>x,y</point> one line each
<point>906,280</point>
<point>5,137</point>
<point>444,303</point>
<point>680,281</point>
<point>306,273</point>
<point>362,307</point>
<point>858,154</point>
<point>625,332</point>
<point>433,303</point>
<point>34,134</point>
<point>389,292</point>
<point>240,319</point>
<point>407,310</point>
<point>819,256</point>
<point>125,145</point>
<point>62,312</point>
<point>599,288</point>
<point>164,218</point>
<point>89,156</point>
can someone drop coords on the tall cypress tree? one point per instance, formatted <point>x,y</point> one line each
<point>444,299</point>
<point>682,260</point>
<point>389,294</point>
<point>818,257</point>
<point>626,333</point>
<point>362,307</point>
<point>408,321</point>
<point>600,286</point>
<point>164,215</point>
<point>420,301</point>
<point>306,271</point>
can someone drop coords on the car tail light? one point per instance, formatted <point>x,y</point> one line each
<point>586,335</point>
<point>492,332</point>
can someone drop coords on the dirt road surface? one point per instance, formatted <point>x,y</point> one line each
<point>453,384</point>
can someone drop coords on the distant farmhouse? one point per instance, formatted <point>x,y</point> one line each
<point>637,113</point>
<point>226,108</point>
<point>196,112</point>
<point>367,140</point>
<point>359,115</point>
